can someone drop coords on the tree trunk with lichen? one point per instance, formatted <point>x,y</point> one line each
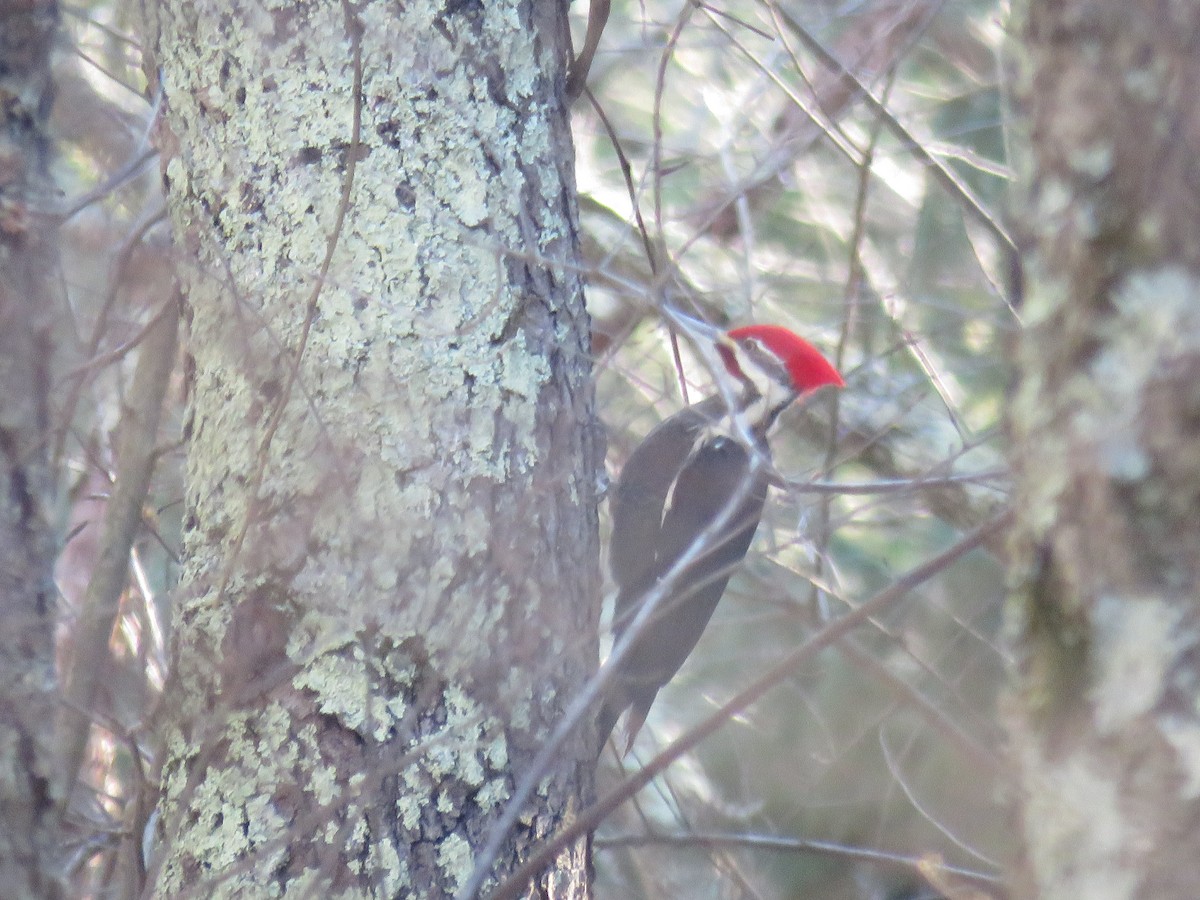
<point>1105,421</point>
<point>390,585</point>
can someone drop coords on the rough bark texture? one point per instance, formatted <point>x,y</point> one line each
<point>1106,428</point>
<point>28,299</point>
<point>390,585</point>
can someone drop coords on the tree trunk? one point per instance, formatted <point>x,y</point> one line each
<point>1106,427</point>
<point>29,301</point>
<point>390,586</point>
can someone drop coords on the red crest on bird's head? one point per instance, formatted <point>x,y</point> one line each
<point>808,369</point>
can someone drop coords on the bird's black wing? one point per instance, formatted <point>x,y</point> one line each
<point>716,474</point>
<point>677,482</point>
<point>641,494</point>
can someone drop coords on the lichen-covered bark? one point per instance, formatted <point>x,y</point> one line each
<point>390,585</point>
<point>28,301</point>
<point>1106,427</point>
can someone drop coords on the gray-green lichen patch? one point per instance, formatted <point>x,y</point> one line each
<point>1135,644</point>
<point>455,751</point>
<point>1145,81</point>
<point>1158,322</point>
<point>1045,296</point>
<point>1095,161</point>
<point>345,684</point>
<point>456,860</point>
<point>1160,310</point>
<point>232,807</point>
<point>1078,816</point>
<point>1183,734</point>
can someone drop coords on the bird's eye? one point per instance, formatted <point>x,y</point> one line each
<point>764,359</point>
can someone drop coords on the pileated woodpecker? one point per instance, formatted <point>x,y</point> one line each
<point>695,488</point>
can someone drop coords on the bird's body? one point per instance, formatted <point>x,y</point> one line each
<point>686,507</point>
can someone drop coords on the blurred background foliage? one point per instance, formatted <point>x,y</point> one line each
<point>839,168</point>
<point>836,167</point>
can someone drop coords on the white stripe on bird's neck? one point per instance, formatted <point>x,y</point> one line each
<point>752,415</point>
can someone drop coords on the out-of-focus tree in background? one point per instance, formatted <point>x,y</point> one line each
<point>839,168</point>
<point>1105,433</point>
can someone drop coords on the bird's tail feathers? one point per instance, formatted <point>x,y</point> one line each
<point>610,711</point>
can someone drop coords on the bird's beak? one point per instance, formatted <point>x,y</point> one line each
<point>695,328</point>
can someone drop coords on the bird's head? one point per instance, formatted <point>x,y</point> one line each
<point>772,362</point>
